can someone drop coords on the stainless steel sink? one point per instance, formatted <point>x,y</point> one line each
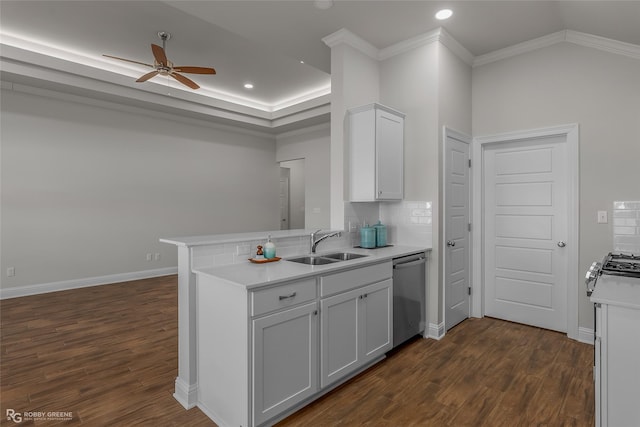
<point>344,256</point>
<point>326,259</point>
<point>313,260</point>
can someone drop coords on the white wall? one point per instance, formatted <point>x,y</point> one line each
<point>87,191</point>
<point>313,145</point>
<point>355,81</point>
<point>432,86</point>
<point>563,84</point>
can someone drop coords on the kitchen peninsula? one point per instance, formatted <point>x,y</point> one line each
<point>259,341</point>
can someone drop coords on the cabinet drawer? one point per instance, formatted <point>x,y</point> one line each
<point>282,296</point>
<point>352,279</point>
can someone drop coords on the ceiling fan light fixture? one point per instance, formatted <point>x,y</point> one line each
<point>443,14</point>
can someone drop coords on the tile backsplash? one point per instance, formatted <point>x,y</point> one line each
<point>626,227</point>
<point>408,222</point>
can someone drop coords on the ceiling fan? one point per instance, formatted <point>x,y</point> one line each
<point>162,66</point>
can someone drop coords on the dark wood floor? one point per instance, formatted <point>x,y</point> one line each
<point>108,354</point>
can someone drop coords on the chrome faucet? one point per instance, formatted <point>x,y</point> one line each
<point>314,242</point>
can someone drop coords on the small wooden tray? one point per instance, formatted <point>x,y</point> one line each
<point>263,260</point>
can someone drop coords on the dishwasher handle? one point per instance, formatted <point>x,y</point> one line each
<point>410,263</point>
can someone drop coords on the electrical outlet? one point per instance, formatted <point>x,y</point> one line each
<point>156,256</point>
<point>11,271</point>
<point>602,217</point>
<point>149,258</point>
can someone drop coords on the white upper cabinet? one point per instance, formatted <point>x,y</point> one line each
<point>376,141</point>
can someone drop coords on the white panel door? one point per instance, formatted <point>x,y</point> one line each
<point>525,229</point>
<point>457,268</point>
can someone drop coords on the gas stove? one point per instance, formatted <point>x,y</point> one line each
<point>614,264</point>
<point>619,264</point>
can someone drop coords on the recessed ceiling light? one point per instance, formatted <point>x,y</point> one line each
<point>444,14</point>
<point>248,85</point>
<point>301,61</point>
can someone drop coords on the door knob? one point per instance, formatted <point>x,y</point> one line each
<point>451,243</point>
<point>562,244</point>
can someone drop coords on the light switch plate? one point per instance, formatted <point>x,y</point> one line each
<point>602,217</point>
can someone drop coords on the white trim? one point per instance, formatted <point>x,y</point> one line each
<point>570,36</point>
<point>64,285</point>
<point>409,44</point>
<point>344,36</point>
<point>585,335</point>
<point>435,331</point>
<point>459,136</point>
<point>304,131</point>
<point>571,133</point>
<point>186,395</point>
<point>454,46</point>
<point>603,43</point>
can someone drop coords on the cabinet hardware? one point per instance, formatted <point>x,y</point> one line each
<point>365,295</point>
<point>281,297</point>
<point>315,312</point>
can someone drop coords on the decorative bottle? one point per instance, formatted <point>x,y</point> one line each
<point>269,249</point>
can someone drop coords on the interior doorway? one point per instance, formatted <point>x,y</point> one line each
<point>456,245</point>
<point>527,238</point>
<point>292,194</point>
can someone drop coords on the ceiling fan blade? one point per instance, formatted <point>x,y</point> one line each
<point>147,76</point>
<point>185,81</point>
<point>159,54</point>
<point>129,60</point>
<point>195,70</point>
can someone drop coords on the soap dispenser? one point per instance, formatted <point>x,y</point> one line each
<point>269,249</point>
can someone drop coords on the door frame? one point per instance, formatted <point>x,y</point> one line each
<point>446,133</point>
<point>571,134</point>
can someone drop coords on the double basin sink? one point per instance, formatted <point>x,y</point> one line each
<point>326,259</point>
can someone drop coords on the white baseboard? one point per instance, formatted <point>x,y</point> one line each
<point>436,331</point>
<point>585,335</point>
<point>187,395</point>
<point>64,285</point>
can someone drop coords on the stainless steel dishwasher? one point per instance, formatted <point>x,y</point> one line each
<point>408,297</point>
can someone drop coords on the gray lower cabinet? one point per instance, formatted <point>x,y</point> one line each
<point>259,354</point>
<point>285,360</point>
<point>356,329</point>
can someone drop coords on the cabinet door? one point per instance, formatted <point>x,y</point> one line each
<point>376,318</point>
<point>285,364</point>
<point>339,336</point>
<point>389,156</point>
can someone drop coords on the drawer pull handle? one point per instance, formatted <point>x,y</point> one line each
<point>281,297</point>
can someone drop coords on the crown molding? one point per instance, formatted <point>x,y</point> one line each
<point>520,48</point>
<point>455,47</point>
<point>409,44</point>
<point>344,36</point>
<point>603,43</point>
<point>570,36</point>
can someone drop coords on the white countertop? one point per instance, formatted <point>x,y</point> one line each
<point>617,290</point>
<point>250,275</point>
<point>213,239</point>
